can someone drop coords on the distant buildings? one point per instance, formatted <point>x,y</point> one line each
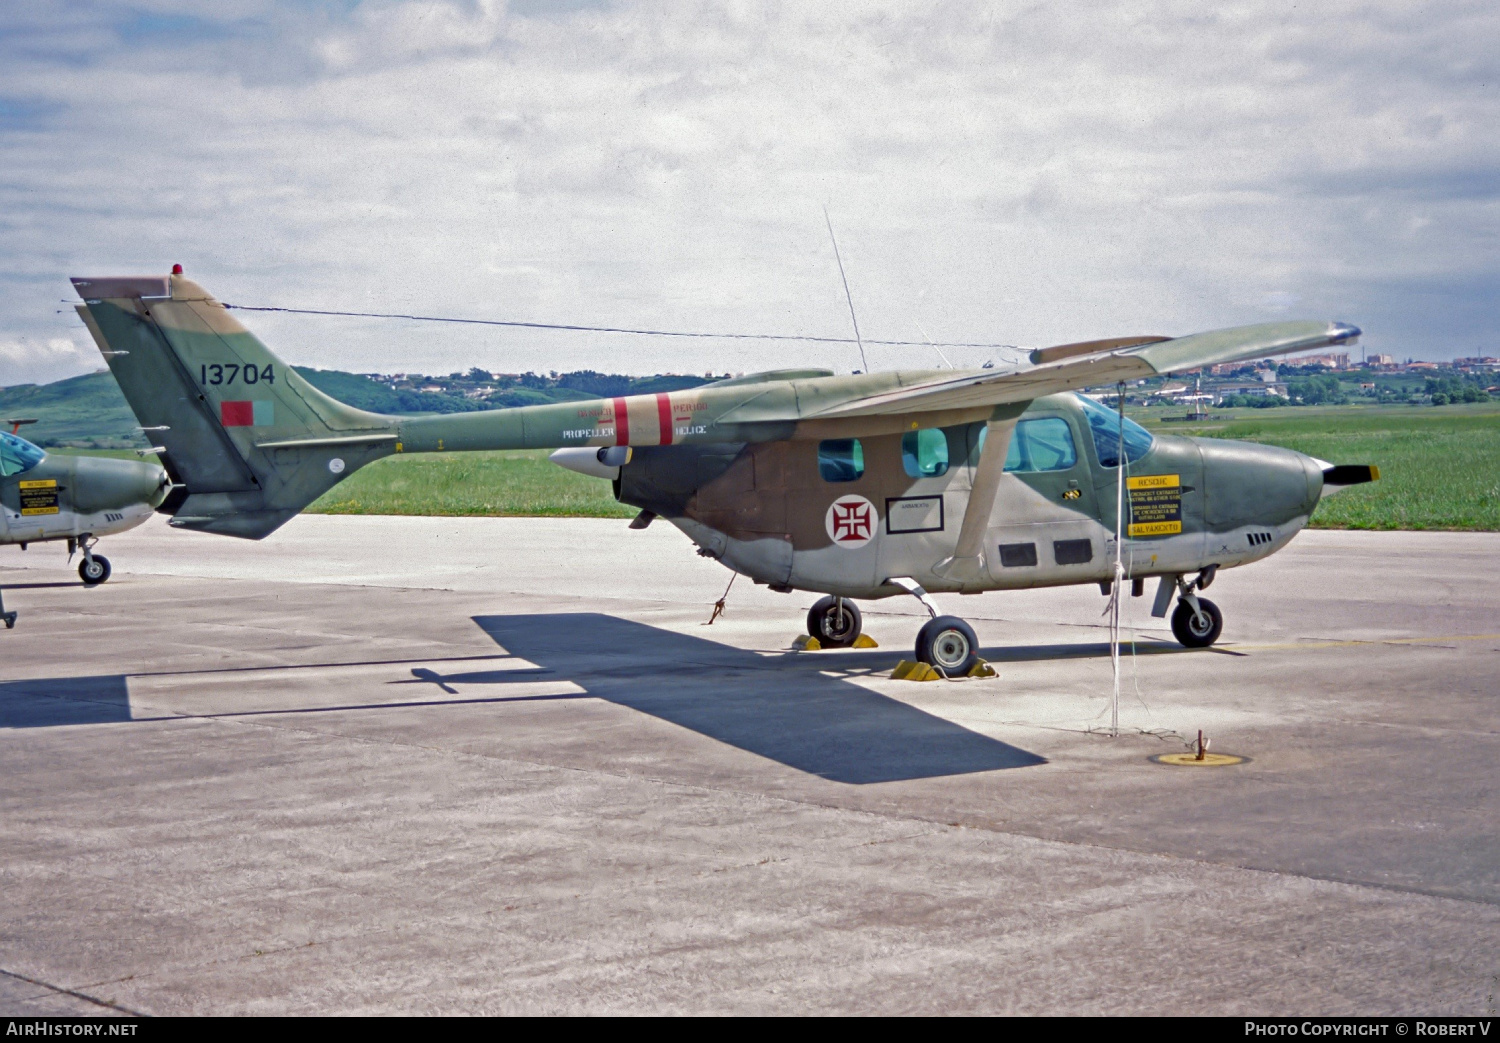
<point>1265,370</point>
<point>1335,360</point>
<point>1477,364</point>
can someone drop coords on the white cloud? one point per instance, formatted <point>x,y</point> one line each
<point>29,361</point>
<point>1012,172</point>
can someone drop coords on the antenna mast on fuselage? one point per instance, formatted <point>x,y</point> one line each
<point>864,365</point>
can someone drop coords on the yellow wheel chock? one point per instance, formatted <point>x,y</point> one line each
<point>906,670</point>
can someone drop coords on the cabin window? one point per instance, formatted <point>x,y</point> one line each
<point>17,455</point>
<point>1104,423</point>
<point>924,453</point>
<point>841,459</point>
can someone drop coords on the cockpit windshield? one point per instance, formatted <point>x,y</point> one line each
<point>1104,423</point>
<point>17,454</point>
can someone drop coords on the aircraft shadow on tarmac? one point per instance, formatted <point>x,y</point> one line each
<point>786,710</point>
<point>51,702</point>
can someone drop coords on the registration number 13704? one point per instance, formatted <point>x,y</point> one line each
<point>216,373</point>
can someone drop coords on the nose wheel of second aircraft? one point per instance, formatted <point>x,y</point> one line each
<point>93,570</point>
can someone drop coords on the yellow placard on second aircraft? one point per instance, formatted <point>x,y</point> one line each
<point>1155,505</point>
<point>39,497</point>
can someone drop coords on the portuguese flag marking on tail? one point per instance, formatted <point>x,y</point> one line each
<point>258,413</point>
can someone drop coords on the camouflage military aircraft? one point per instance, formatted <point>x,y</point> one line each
<point>44,497</point>
<point>862,486</point>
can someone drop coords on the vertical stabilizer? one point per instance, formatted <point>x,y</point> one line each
<point>247,439</point>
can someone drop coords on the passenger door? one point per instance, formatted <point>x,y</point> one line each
<point>1045,525</point>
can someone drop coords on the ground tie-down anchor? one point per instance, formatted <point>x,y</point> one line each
<point>719,605</point>
<point>1199,757</point>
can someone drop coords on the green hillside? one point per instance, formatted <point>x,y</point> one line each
<point>88,412</point>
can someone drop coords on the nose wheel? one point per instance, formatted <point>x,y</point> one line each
<point>1197,627</point>
<point>835,622</point>
<point>93,569</point>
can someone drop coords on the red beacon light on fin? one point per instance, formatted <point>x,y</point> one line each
<point>176,269</point>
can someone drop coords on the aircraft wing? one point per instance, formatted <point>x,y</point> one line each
<point>1082,367</point>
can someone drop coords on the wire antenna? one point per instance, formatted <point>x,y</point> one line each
<point>723,335</point>
<point>930,342</point>
<point>864,366</point>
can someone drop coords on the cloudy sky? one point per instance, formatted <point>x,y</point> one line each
<point>1011,172</point>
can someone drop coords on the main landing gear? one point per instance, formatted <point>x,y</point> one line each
<point>949,644</point>
<point>835,622</point>
<point>94,568</point>
<point>946,643</point>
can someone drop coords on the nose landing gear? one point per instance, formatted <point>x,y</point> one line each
<point>1196,621</point>
<point>1197,626</point>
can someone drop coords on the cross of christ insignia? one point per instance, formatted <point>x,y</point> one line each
<point>851,521</point>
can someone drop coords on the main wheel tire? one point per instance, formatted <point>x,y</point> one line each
<point>832,626</point>
<point>949,644</point>
<point>1190,629</point>
<point>93,571</point>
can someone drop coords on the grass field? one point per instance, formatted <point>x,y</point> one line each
<point>1439,466</point>
<point>508,482</point>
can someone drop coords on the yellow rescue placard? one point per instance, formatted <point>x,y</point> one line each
<point>1153,481</point>
<point>38,497</point>
<point>1155,505</point>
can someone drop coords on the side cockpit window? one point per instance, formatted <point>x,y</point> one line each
<point>924,453</point>
<point>1042,444</point>
<point>17,455</point>
<point>841,459</point>
<point>1104,423</point>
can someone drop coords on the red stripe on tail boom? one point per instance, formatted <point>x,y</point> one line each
<point>664,416</point>
<point>622,422</point>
